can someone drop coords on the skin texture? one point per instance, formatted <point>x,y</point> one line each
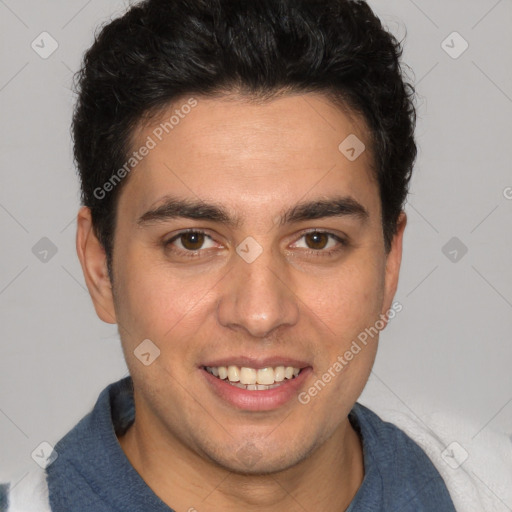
<point>256,160</point>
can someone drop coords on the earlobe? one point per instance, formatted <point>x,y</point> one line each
<point>94,266</point>
<point>393,262</point>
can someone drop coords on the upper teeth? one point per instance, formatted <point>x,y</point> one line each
<point>244,375</point>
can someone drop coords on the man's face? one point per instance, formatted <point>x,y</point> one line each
<point>263,292</point>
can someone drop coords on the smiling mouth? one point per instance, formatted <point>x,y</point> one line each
<point>253,379</point>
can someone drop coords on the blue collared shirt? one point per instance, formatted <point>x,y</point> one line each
<point>92,473</point>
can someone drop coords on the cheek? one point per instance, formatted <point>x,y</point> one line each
<point>348,300</point>
<point>346,306</point>
<point>157,302</point>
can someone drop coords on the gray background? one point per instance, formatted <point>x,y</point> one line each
<point>448,351</point>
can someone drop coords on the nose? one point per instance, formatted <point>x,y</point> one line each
<point>257,297</point>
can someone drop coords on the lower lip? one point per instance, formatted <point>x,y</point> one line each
<point>258,400</point>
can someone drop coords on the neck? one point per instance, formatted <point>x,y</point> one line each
<point>326,480</point>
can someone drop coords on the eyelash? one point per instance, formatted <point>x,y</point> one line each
<point>317,253</point>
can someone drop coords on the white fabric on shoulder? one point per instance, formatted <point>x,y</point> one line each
<point>477,469</point>
<point>30,494</point>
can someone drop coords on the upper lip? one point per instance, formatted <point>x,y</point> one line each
<point>257,363</point>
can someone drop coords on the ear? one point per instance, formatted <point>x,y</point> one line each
<point>94,266</point>
<point>393,261</point>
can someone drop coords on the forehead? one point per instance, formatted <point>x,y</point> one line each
<point>250,156</point>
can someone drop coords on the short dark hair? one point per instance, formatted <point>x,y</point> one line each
<point>160,50</point>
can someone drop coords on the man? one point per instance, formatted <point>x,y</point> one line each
<point>244,167</point>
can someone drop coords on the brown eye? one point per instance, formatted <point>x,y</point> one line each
<point>317,240</point>
<point>321,243</point>
<point>192,241</point>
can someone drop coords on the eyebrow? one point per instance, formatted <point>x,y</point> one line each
<point>174,208</point>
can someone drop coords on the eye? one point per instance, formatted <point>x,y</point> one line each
<point>321,243</point>
<point>191,241</point>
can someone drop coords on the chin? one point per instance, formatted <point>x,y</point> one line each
<point>249,459</point>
